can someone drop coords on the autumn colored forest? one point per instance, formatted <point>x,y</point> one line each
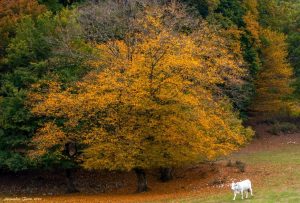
<point>144,88</point>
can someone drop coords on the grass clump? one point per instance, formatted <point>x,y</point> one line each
<point>238,164</point>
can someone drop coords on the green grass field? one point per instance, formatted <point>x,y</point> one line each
<point>281,184</point>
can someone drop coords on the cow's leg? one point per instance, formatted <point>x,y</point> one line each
<point>234,195</point>
<point>246,194</point>
<point>251,191</point>
<point>242,192</point>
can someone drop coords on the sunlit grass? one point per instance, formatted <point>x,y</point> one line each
<point>282,186</point>
<point>285,156</point>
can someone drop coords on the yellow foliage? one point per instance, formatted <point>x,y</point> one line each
<point>47,137</point>
<point>251,21</point>
<point>252,26</point>
<point>233,38</point>
<point>273,83</point>
<point>149,101</point>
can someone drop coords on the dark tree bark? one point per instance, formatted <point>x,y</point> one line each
<point>141,180</point>
<point>70,182</point>
<point>70,151</point>
<point>165,174</point>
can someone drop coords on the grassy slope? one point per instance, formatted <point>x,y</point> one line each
<point>280,175</point>
<point>273,166</point>
<point>275,175</point>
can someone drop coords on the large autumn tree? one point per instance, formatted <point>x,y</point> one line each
<point>150,101</point>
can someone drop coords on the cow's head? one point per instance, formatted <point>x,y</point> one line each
<point>234,186</point>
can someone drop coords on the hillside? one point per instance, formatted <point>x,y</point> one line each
<point>272,164</point>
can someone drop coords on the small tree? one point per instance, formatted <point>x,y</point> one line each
<point>273,82</point>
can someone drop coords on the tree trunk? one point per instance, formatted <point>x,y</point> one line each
<point>70,182</point>
<point>141,180</point>
<point>165,174</point>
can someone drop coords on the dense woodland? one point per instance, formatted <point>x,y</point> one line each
<point>127,85</point>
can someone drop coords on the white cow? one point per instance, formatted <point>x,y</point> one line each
<point>240,187</point>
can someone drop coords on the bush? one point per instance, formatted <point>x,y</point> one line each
<point>283,127</point>
<point>241,166</point>
<point>219,181</point>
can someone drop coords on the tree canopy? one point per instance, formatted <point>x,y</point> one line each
<point>149,102</point>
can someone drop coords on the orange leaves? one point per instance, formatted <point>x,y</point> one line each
<point>273,83</point>
<point>149,100</point>
<point>47,137</point>
<point>11,13</point>
<point>252,26</point>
